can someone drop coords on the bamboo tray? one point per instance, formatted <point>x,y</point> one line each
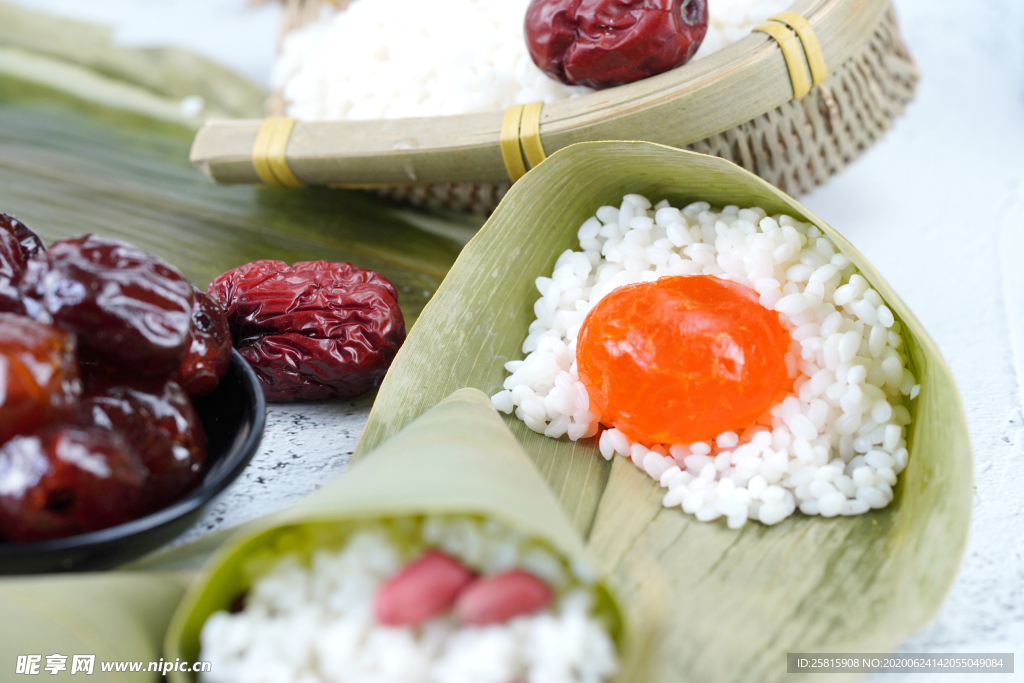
<point>748,103</point>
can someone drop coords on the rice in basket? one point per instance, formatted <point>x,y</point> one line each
<point>373,60</point>
<point>833,445</point>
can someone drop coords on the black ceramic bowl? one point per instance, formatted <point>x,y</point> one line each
<point>233,416</point>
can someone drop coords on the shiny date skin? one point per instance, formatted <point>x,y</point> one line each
<point>17,245</point>
<point>38,375</point>
<point>95,427</point>
<point>604,43</point>
<point>209,350</point>
<point>128,308</point>
<point>314,330</point>
<point>158,421</point>
<point>67,480</point>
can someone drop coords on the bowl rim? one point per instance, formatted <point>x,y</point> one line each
<point>193,501</point>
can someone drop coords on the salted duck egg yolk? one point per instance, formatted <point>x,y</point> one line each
<point>682,359</point>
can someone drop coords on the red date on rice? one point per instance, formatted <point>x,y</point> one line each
<point>603,43</point>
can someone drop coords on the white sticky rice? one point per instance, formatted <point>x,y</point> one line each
<point>834,446</point>
<point>314,624</point>
<point>406,58</point>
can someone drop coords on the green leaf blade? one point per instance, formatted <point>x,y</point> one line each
<point>69,167</point>
<point>715,604</point>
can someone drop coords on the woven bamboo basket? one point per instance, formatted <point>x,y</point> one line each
<point>794,102</point>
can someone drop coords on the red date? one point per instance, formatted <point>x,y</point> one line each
<point>129,327</point>
<point>603,43</point>
<point>160,424</point>
<point>17,245</point>
<point>67,480</point>
<point>313,330</point>
<point>209,350</point>
<point>128,308</point>
<point>38,375</point>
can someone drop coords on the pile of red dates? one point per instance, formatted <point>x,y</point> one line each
<point>102,345</point>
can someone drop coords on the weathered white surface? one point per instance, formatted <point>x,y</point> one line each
<point>305,446</point>
<point>938,206</point>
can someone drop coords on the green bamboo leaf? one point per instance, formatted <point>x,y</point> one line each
<point>116,616</point>
<point>84,59</point>
<point>68,166</point>
<point>458,458</point>
<point>720,604</point>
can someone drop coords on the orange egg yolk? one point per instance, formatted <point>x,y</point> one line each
<point>682,359</point>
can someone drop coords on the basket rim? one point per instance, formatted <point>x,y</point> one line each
<point>412,151</point>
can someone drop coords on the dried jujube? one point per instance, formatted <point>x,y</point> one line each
<point>602,43</point>
<point>128,308</point>
<point>158,421</point>
<point>313,330</point>
<point>101,314</point>
<point>39,379</point>
<point>17,245</point>
<point>67,480</point>
<point>209,349</point>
